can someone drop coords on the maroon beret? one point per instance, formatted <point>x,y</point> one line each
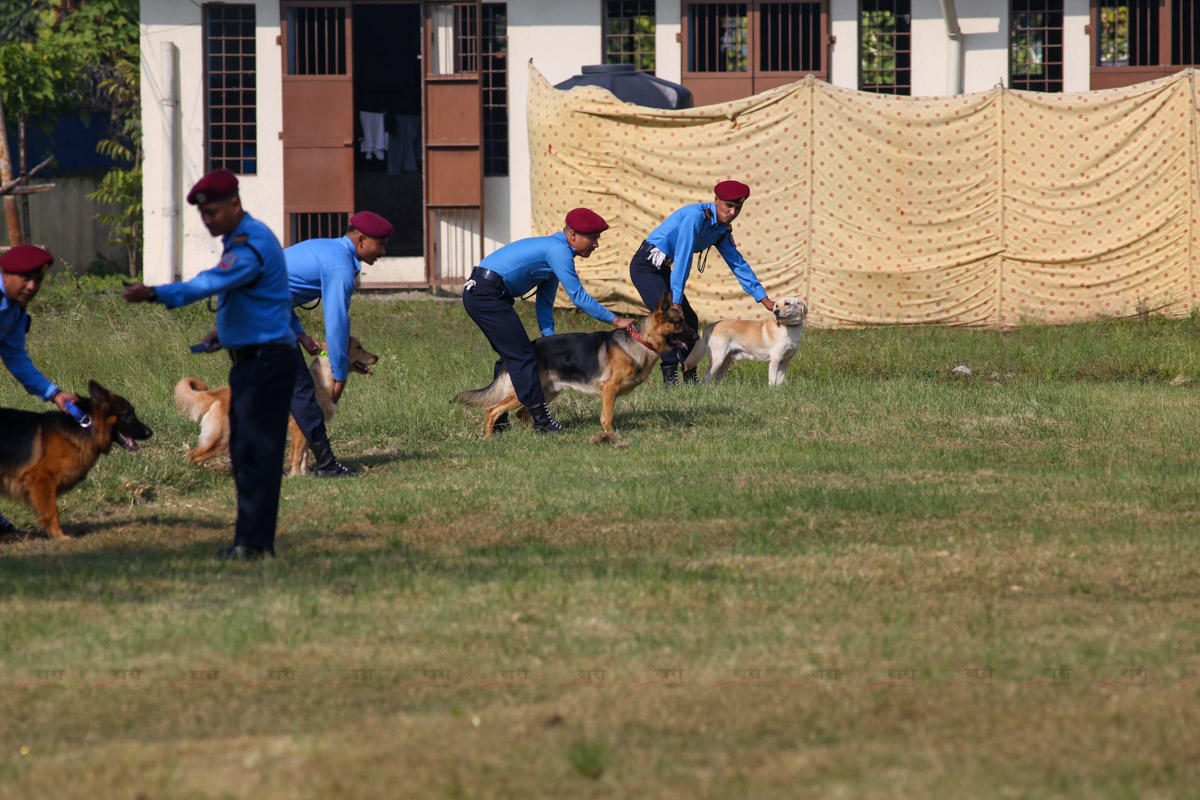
<point>371,224</point>
<point>731,191</point>
<point>216,185</point>
<point>586,221</point>
<point>25,258</point>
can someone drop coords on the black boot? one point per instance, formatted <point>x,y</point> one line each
<point>327,465</point>
<point>7,527</point>
<point>689,376</point>
<point>670,374</point>
<point>543,423</point>
<point>502,423</point>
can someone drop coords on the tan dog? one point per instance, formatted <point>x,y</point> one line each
<point>210,407</point>
<point>735,339</point>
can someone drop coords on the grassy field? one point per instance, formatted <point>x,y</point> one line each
<point>881,579</point>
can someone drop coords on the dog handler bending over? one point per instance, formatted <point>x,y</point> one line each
<point>513,270</point>
<point>254,310</point>
<point>688,231</point>
<point>23,268</point>
<point>326,270</point>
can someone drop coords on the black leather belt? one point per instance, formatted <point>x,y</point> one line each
<point>253,351</point>
<point>647,249</point>
<point>482,275</point>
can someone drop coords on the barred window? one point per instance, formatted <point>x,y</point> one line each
<point>629,33</point>
<point>758,38</point>
<point>1185,32</point>
<point>1128,33</point>
<point>718,37</point>
<point>316,41</point>
<point>494,75</point>
<point>319,225</point>
<point>230,89</point>
<point>789,37</point>
<point>1036,45</point>
<point>886,31</point>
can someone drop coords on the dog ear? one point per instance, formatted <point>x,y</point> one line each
<point>664,305</point>
<point>98,393</point>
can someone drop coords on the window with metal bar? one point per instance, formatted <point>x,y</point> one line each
<point>885,31</point>
<point>466,38</point>
<point>321,225</point>
<point>629,33</point>
<point>230,89</point>
<point>718,37</point>
<point>1185,32</point>
<point>1036,45</point>
<point>789,36</point>
<point>316,41</point>
<point>1128,33</point>
<point>494,77</point>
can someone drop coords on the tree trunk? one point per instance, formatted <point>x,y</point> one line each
<point>10,202</point>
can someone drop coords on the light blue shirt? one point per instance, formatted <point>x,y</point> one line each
<point>14,323</point>
<point>254,305</point>
<point>690,230</point>
<point>325,269</point>
<point>544,262</point>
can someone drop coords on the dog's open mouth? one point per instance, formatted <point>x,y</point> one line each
<point>127,442</point>
<point>681,344</point>
<point>361,368</point>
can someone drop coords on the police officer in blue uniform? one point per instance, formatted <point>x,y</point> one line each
<point>23,267</point>
<point>542,262</point>
<point>664,260</point>
<point>254,309</point>
<point>326,271</point>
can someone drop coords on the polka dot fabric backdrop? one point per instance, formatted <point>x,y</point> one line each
<point>994,209</point>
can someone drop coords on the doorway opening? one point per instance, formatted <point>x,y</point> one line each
<point>388,168</point>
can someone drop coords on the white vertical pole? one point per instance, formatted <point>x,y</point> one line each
<point>169,269</point>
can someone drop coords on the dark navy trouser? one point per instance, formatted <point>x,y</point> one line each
<point>305,408</point>
<point>490,305</point>
<point>258,413</point>
<point>650,282</point>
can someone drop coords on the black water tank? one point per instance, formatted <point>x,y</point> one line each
<point>639,88</point>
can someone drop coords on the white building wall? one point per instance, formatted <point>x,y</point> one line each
<point>559,37</point>
<point>180,21</point>
<point>1077,57</point>
<point>843,53</point>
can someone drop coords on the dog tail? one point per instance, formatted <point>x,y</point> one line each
<point>698,349</point>
<point>186,400</point>
<point>489,395</point>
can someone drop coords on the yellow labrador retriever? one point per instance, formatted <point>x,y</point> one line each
<point>774,342</point>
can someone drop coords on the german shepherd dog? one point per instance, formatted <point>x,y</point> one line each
<point>210,407</point>
<point>44,455</point>
<point>607,364</point>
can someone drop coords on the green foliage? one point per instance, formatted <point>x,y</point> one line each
<point>878,33</point>
<point>76,44</point>
<point>123,186</point>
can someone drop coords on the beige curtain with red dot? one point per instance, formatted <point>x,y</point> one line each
<point>996,209</point>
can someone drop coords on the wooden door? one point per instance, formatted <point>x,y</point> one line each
<point>453,140</point>
<point>318,118</point>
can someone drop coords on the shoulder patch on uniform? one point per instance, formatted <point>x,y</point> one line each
<point>240,239</point>
<point>228,260</point>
